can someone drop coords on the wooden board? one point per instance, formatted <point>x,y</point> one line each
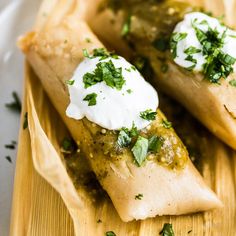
<point>39,210</point>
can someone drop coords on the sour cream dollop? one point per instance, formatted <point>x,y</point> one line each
<point>114,108</point>
<point>202,22</point>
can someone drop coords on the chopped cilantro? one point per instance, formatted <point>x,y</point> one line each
<point>232,82</point>
<point>68,145</point>
<point>204,22</point>
<point>193,60</point>
<point>107,72</point>
<point>100,52</point>
<point>134,131</point>
<point>138,196</point>
<point>11,146</point>
<point>91,99</point>
<point>25,123</point>
<point>148,114</point>
<point>167,230</point>
<point>155,143</point>
<point>110,233</point>
<point>88,40</point>
<point>140,150</point>
<point>70,82</point>
<point>166,124</point>
<point>133,68</point>
<point>128,69</point>
<point>192,50</point>
<point>124,138</point>
<point>129,91</point>
<point>175,38</point>
<point>126,27</point>
<point>139,62</point>
<point>104,54</point>
<point>16,104</point>
<point>85,53</point>
<point>218,64</point>
<point>8,158</point>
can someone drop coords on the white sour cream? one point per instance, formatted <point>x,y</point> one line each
<point>186,26</point>
<point>114,108</point>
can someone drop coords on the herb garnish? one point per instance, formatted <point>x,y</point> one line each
<point>25,123</point>
<point>192,50</point>
<point>85,53</point>
<point>218,64</point>
<point>148,115</point>
<point>88,40</point>
<point>16,104</point>
<point>175,38</point>
<point>8,158</point>
<point>126,27</point>
<point>11,146</point>
<point>140,150</point>
<point>125,136</point>
<point>100,52</point>
<point>107,72</point>
<point>155,143</point>
<point>70,82</point>
<point>110,233</point>
<point>68,145</point>
<point>129,91</point>
<point>139,196</point>
<point>167,230</point>
<point>232,82</point>
<point>91,99</point>
<point>166,124</point>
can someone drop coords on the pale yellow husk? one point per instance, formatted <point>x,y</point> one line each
<point>39,210</point>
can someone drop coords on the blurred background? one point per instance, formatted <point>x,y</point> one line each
<point>16,17</point>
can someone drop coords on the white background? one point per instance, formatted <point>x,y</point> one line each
<point>16,17</point>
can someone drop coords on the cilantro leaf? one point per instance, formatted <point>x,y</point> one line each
<point>91,98</point>
<point>110,233</point>
<point>232,82</point>
<point>68,144</point>
<point>166,124</point>
<point>124,138</point>
<point>126,27</point>
<point>175,38</point>
<point>148,114</point>
<point>155,143</point>
<point>16,104</point>
<point>107,72</point>
<point>25,123</point>
<point>140,150</point>
<point>70,82</point>
<point>138,196</point>
<point>192,50</point>
<point>167,230</point>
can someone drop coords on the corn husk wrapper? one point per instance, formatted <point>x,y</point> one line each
<point>39,210</point>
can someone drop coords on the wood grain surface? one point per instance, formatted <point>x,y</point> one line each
<point>38,210</point>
